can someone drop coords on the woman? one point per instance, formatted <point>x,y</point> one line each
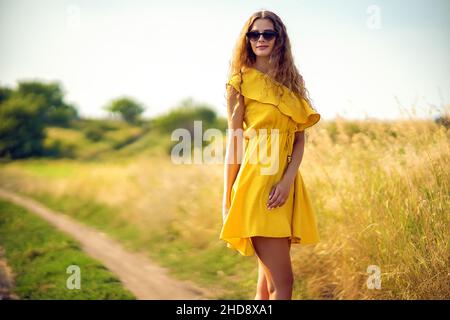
<point>265,211</point>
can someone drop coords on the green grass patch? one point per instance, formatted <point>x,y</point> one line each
<point>89,139</point>
<point>48,168</point>
<point>40,255</point>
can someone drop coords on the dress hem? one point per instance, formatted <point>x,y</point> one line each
<point>252,252</point>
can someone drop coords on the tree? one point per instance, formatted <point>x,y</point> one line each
<point>22,127</point>
<point>128,109</point>
<point>5,93</point>
<point>184,115</point>
<point>24,113</point>
<point>58,112</point>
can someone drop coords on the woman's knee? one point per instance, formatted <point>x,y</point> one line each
<point>286,280</point>
<point>274,255</point>
<point>270,287</point>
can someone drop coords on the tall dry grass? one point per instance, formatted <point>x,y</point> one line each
<point>382,194</point>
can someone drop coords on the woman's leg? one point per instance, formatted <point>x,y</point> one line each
<point>262,287</point>
<point>275,260</point>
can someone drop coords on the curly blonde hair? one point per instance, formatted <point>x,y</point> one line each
<point>283,69</point>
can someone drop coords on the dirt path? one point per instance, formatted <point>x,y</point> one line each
<point>138,273</point>
<point>6,279</point>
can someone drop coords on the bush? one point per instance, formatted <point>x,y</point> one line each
<point>21,127</point>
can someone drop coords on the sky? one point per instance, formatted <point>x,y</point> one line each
<point>359,59</point>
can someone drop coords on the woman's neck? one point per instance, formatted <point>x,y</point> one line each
<point>262,64</point>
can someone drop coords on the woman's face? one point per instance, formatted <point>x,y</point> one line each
<point>262,47</point>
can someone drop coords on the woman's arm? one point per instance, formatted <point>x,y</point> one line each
<point>234,149</point>
<point>297,156</point>
<point>280,192</point>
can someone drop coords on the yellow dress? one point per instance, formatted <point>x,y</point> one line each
<point>267,107</point>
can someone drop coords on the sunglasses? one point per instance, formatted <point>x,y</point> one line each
<point>267,35</point>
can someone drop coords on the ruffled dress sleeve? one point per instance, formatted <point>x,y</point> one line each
<point>258,86</point>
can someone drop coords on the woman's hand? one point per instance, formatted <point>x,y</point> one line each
<point>279,194</point>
